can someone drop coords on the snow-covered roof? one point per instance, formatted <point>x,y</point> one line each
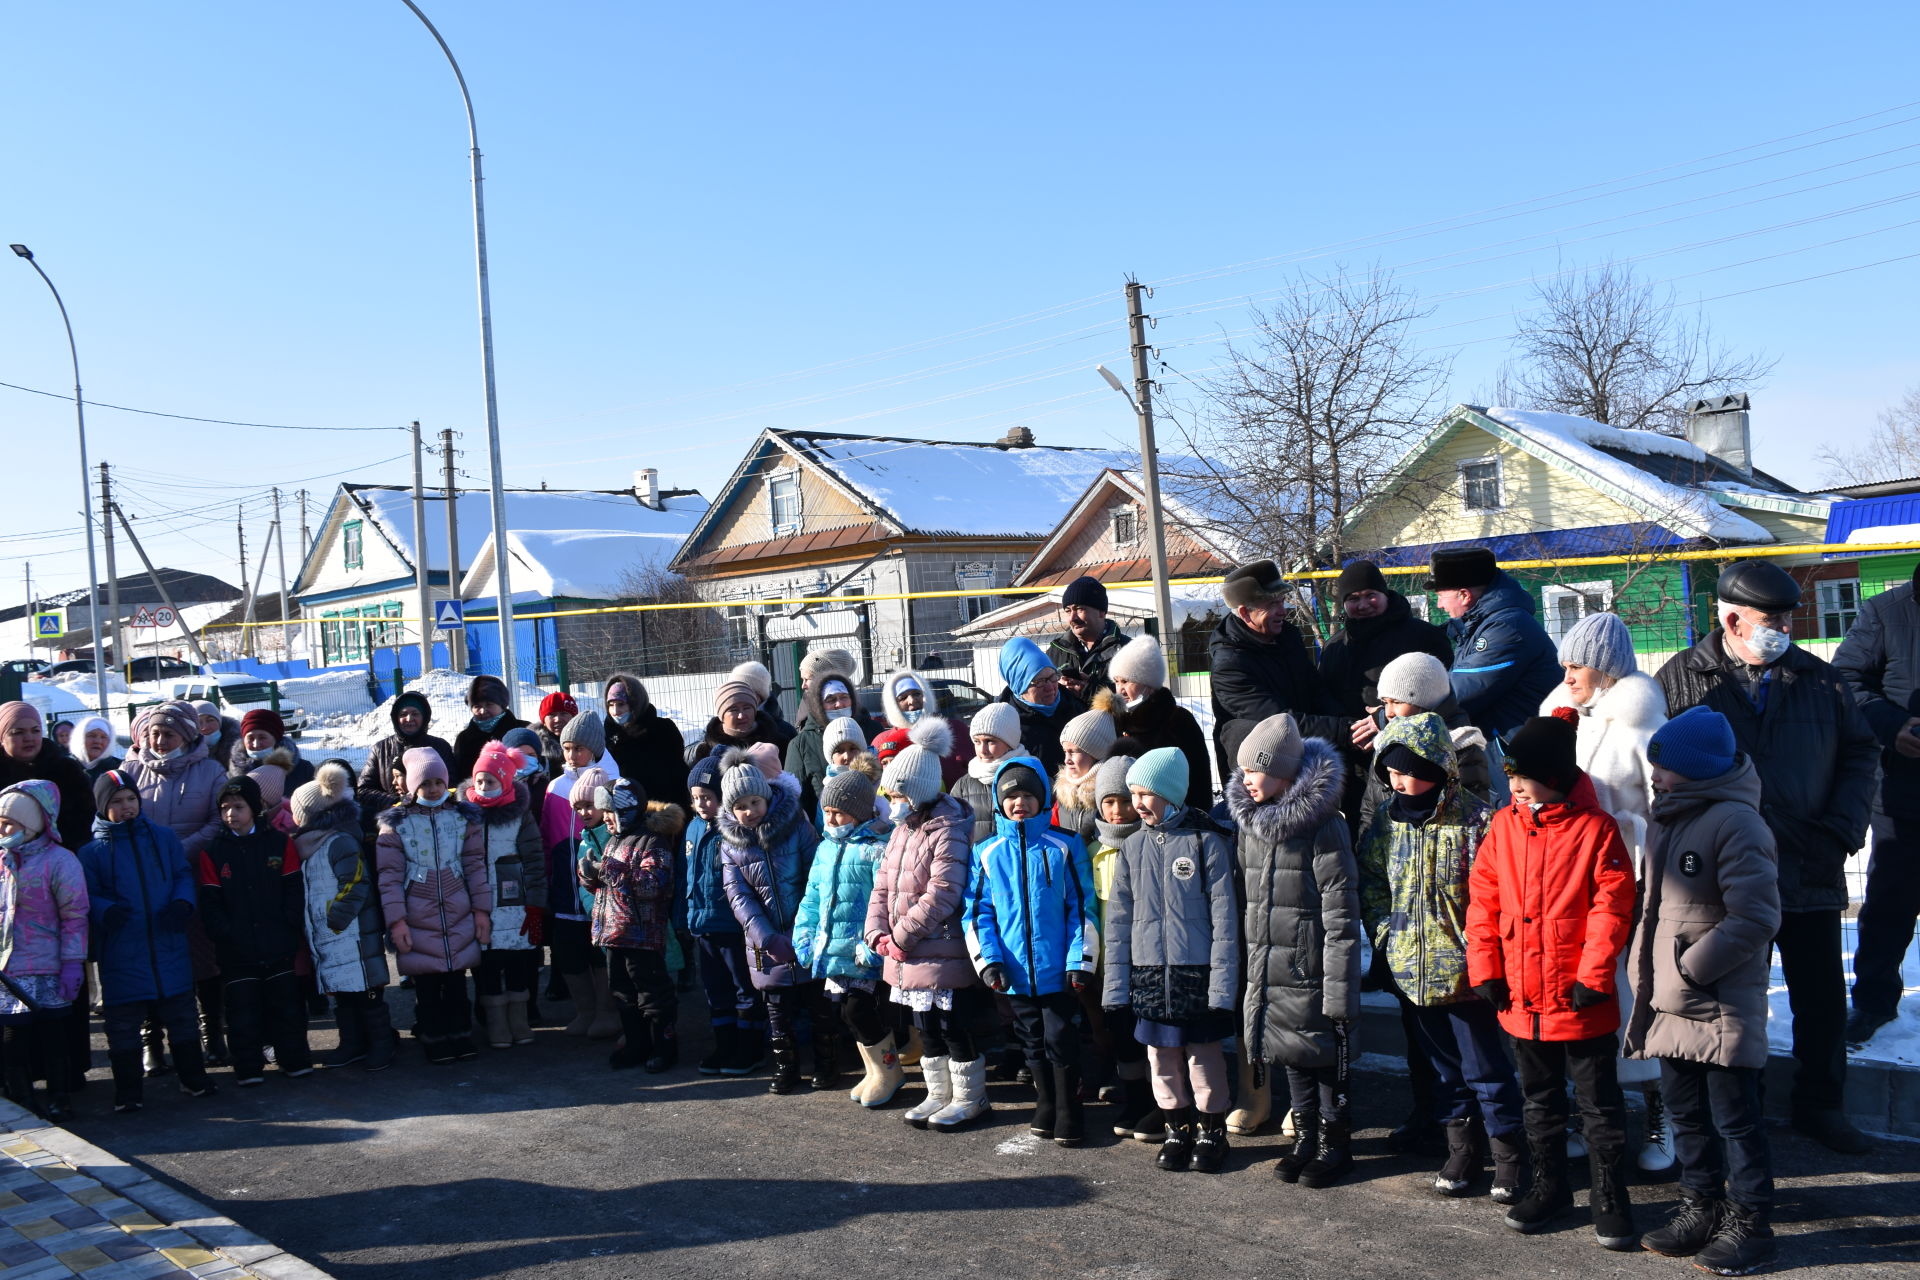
<point>526,510</point>
<point>945,487</point>
<point>586,564</point>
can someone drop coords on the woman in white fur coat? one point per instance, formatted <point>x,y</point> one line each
<point>1620,706</point>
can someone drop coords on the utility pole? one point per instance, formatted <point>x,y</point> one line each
<point>456,636</point>
<point>280,550</point>
<point>31,638</point>
<point>306,542</point>
<point>113,578</point>
<point>1149,461</point>
<point>424,603</point>
<point>246,628</point>
<point>193,641</point>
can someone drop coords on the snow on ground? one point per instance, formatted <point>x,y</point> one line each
<point>329,694</point>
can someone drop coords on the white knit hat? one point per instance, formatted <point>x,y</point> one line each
<point>1142,661</point>
<point>1418,678</point>
<point>915,772</point>
<point>841,731</point>
<point>997,720</point>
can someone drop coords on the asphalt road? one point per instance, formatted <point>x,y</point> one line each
<point>542,1161</point>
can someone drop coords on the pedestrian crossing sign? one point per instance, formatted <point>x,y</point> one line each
<point>449,613</point>
<point>47,625</point>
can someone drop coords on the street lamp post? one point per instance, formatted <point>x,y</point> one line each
<point>499,503</point>
<point>86,485</point>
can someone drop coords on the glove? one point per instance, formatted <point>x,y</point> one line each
<point>1494,992</point>
<point>534,927</point>
<point>995,976</point>
<point>402,937</point>
<point>483,927</point>
<point>176,914</point>
<point>1115,1010</point>
<point>118,914</point>
<point>1379,973</point>
<point>887,947</point>
<point>1581,996</point>
<point>71,973</point>
<point>1080,980</point>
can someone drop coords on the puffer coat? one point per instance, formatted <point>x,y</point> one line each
<point>345,934</point>
<point>648,748</point>
<point>827,933</point>
<point>376,776</point>
<point>141,867</point>
<point>54,763</point>
<point>1413,878</point>
<point>431,867</point>
<point>631,878</point>
<point>251,898</point>
<point>1549,903</point>
<point>1700,953</point>
<point>1158,720</point>
<point>707,911</point>
<point>43,898</point>
<point>181,794</point>
<point>764,870</point>
<point>1504,662</point>
<point>1030,905</point>
<point>1880,661</point>
<point>919,898</point>
<point>1303,912</point>
<point>1173,926</point>
<point>973,791</point>
<point>516,865</point>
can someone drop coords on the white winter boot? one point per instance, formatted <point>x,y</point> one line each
<point>884,1074</point>
<point>969,1095</point>
<point>1256,1099</point>
<point>939,1092</point>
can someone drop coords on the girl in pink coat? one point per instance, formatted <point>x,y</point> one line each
<point>43,943</point>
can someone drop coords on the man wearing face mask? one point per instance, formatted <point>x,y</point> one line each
<point>1795,716</point>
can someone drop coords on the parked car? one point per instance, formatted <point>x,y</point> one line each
<point>71,664</point>
<point>25,668</point>
<point>239,693</point>
<point>158,667</point>
<point>957,697</point>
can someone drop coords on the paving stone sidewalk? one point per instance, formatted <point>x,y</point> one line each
<point>67,1208</point>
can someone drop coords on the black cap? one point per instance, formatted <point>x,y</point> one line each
<point>244,787</point>
<point>1018,777</point>
<point>1090,592</point>
<point>1401,758</point>
<point>1253,583</point>
<point>1359,575</point>
<point>1758,584</point>
<point>1461,567</point>
<point>1544,749</point>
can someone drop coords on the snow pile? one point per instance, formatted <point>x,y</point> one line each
<point>586,564</point>
<point>1885,533</point>
<point>82,685</point>
<point>391,510</point>
<point>1690,512</point>
<point>329,694</point>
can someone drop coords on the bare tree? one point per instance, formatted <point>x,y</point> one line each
<point>652,642</point>
<point>1604,345</point>
<point>1892,452</point>
<point>1307,418</point>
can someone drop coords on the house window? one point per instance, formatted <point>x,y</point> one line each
<point>739,632</point>
<point>1126,526</point>
<point>1839,601</point>
<point>1417,604</point>
<point>975,577</point>
<point>1480,484</point>
<point>350,544</point>
<point>783,494</point>
<point>1568,602</point>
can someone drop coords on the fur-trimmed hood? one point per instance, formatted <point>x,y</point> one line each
<point>342,815</point>
<point>666,819</point>
<point>389,819</point>
<point>1634,701</point>
<point>1311,800</point>
<point>782,812</point>
<point>1076,793</point>
<point>890,700</point>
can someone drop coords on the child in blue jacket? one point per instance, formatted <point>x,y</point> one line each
<point>734,1008</point>
<point>1030,929</point>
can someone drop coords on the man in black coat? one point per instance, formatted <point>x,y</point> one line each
<point>1378,627</point>
<point>1260,664</point>
<point>1081,653</point>
<point>1880,659</point>
<point>1796,718</point>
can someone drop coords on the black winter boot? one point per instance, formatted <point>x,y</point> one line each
<point>1045,1102</point>
<point>725,1046</point>
<point>826,1059</point>
<point>1176,1151</point>
<point>350,1015</point>
<point>55,1062</point>
<point>786,1066</point>
<point>129,1093</point>
<point>1549,1196</point>
<point>191,1063</point>
<point>153,1047</point>
<point>1335,1158</point>
<point>1306,1145</point>
<point>749,1051</point>
<point>213,1022</point>
<point>666,1048</point>
<point>1069,1118</point>
<point>1509,1170</point>
<point>1210,1148</point>
<point>1687,1231</point>
<point>1136,1101</point>
<point>1611,1204</point>
<point>637,1040</point>
<point>1463,1160</point>
<point>382,1041</point>
<point>1742,1242</point>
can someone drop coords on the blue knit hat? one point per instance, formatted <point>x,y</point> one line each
<point>1162,771</point>
<point>705,773</point>
<point>1698,743</point>
<point>1600,641</point>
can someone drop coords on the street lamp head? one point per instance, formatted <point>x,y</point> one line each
<point>22,250</point>
<point>1100,369</point>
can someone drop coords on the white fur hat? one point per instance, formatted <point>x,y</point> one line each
<point>1142,661</point>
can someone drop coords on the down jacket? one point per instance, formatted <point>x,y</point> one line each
<point>919,898</point>
<point>431,867</point>
<point>63,769</point>
<point>706,910</point>
<point>516,865</point>
<point>1158,720</point>
<point>251,898</point>
<point>134,871</point>
<point>764,870</point>
<point>974,790</point>
<point>1816,755</point>
<point>1614,728</point>
<point>43,897</point>
<point>376,776</point>
<point>181,794</point>
<point>1173,927</point>
<point>1880,661</point>
<point>827,932</point>
<point>1030,903</point>
<point>1698,963</point>
<point>1256,676</point>
<point>1549,903</point>
<point>1303,912</point>
<point>344,932</point>
<point>1413,878</point>
<point>1504,662</point>
<point>631,876</point>
<point>1351,659</point>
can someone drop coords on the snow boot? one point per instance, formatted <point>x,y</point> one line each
<point>606,1022</point>
<point>128,1080</point>
<point>1549,1195</point>
<point>1176,1152</point>
<point>883,1076</point>
<point>1045,1102</point>
<point>213,1022</point>
<point>750,1050</point>
<point>580,991</point>
<point>826,1059</point>
<point>1509,1170</point>
<point>382,1041</point>
<point>933,1069</point>
<point>1742,1242</point>
<point>969,1096</point>
<point>1463,1161</point>
<point>1256,1098</point>
<point>519,1008</point>
<point>637,1043</point>
<point>1656,1153</point>
<point>1334,1159</point>
<point>1069,1114</point>
<point>786,1066</point>
<point>1210,1147</point>
<point>349,1014</point>
<point>153,1046</point>
<point>913,1050</point>
<point>493,1012</point>
<point>724,1035</point>
<point>1136,1098</point>
<point>665,1054</point>
<point>1693,1222</point>
<point>1612,1206</point>
<point>1306,1145</point>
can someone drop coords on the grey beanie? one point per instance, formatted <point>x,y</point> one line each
<point>588,730</point>
<point>1600,641</point>
<point>997,720</point>
<point>1090,731</point>
<point>914,774</point>
<point>1419,678</point>
<point>743,780</point>
<point>839,732</point>
<point>851,792</point>
<point>1110,779</point>
<point>1272,747</point>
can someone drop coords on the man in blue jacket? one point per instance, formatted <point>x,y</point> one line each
<point>1504,662</point>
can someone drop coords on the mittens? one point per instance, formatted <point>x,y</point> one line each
<point>1581,996</point>
<point>1494,992</point>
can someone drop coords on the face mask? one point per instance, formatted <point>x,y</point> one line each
<point>13,840</point>
<point>431,804</point>
<point>900,810</point>
<point>622,717</point>
<point>527,770</point>
<point>913,717</point>
<point>262,754</point>
<point>1768,645</point>
<point>487,722</point>
<point>842,832</point>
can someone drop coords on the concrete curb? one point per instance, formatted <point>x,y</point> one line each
<point>214,1233</point>
<point>1881,1097</point>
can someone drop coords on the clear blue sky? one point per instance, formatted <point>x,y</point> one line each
<point>260,212</point>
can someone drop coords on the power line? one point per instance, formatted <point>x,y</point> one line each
<point>182,417</point>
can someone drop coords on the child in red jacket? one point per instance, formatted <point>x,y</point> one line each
<point>1550,902</point>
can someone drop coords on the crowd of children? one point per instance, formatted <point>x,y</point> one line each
<point>1118,933</point>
